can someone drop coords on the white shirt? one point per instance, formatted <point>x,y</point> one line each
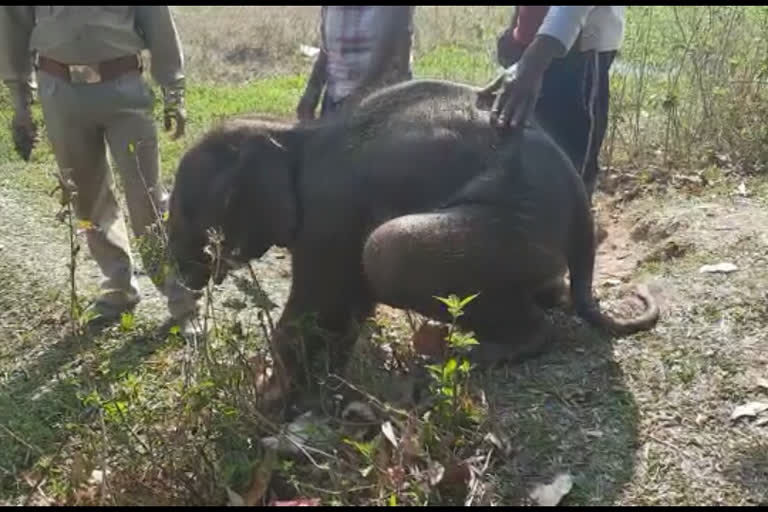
<point>601,27</point>
<point>350,36</point>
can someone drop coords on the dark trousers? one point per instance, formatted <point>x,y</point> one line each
<point>563,108</point>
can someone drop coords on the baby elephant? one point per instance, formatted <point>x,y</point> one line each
<point>408,196</point>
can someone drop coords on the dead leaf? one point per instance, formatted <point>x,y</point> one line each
<point>389,433</point>
<point>750,409</point>
<point>742,190</point>
<point>235,500</point>
<point>308,51</point>
<point>396,476</point>
<point>429,340</point>
<point>503,445</point>
<point>435,472</point>
<point>762,383</point>
<point>260,480</point>
<point>300,502</point>
<point>457,473</point>
<point>97,477</point>
<point>549,495</point>
<point>456,479</point>
<point>721,268</point>
<point>303,429</point>
<point>594,433</point>
<point>761,422</point>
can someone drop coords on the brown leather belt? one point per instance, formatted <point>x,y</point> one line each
<point>90,73</point>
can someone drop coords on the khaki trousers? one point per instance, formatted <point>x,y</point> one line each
<point>81,121</point>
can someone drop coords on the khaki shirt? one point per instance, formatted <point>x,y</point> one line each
<point>81,34</point>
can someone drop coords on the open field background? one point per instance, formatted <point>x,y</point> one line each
<point>127,417</point>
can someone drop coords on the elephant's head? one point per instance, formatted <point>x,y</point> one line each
<point>240,181</point>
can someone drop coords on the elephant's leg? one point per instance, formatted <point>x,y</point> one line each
<point>327,303</point>
<point>465,250</point>
<point>554,293</point>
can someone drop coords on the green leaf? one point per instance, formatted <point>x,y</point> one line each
<point>435,370</point>
<point>392,500</point>
<point>451,301</point>
<point>366,449</point>
<point>467,300</point>
<point>114,408</point>
<point>450,368</point>
<point>127,322</point>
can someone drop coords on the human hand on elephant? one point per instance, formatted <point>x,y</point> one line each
<point>515,94</point>
<point>517,89</point>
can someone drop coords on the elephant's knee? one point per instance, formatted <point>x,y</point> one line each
<point>381,261</point>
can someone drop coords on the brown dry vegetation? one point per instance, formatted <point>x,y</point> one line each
<point>643,420</point>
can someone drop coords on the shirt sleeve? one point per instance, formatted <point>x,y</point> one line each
<point>16,24</point>
<point>564,22</point>
<point>529,20</point>
<point>162,39</point>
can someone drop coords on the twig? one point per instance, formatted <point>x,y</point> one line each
<point>665,443</point>
<point>104,485</point>
<point>22,441</point>
<point>476,483</point>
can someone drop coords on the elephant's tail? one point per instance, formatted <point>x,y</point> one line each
<point>581,267</point>
<point>590,312</point>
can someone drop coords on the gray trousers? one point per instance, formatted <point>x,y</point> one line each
<point>81,121</point>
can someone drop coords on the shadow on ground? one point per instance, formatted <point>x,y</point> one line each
<point>41,397</point>
<point>565,411</point>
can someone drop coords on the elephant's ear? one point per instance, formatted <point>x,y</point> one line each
<point>264,196</point>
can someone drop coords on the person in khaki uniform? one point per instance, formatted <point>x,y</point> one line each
<point>93,95</point>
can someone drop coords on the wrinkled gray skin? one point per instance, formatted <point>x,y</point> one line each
<point>409,196</point>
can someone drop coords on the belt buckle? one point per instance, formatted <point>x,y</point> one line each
<point>84,74</point>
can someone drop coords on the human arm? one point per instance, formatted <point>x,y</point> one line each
<point>158,29</point>
<point>520,85</point>
<point>16,24</point>
<point>511,43</point>
<point>311,97</point>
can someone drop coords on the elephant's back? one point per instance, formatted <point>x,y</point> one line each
<point>419,101</point>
